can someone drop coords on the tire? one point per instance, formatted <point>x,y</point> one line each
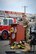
<point>5,35</point>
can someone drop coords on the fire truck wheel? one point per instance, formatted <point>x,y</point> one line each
<point>5,35</point>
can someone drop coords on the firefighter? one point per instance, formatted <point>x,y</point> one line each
<point>11,31</point>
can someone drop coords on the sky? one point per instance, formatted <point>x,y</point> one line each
<point>18,5</point>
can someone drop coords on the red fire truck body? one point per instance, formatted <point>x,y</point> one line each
<point>5,26</point>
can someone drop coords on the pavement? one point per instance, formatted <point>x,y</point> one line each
<point>4,46</point>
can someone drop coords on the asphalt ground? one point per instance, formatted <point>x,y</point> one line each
<point>5,48</point>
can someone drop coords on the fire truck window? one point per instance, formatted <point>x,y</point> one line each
<point>5,21</point>
<point>10,22</point>
<point>0,23</point>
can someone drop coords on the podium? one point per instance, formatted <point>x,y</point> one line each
<point>18,34</point>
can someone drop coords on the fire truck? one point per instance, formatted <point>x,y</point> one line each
<point>5,22</point>
<point>5,26</point>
